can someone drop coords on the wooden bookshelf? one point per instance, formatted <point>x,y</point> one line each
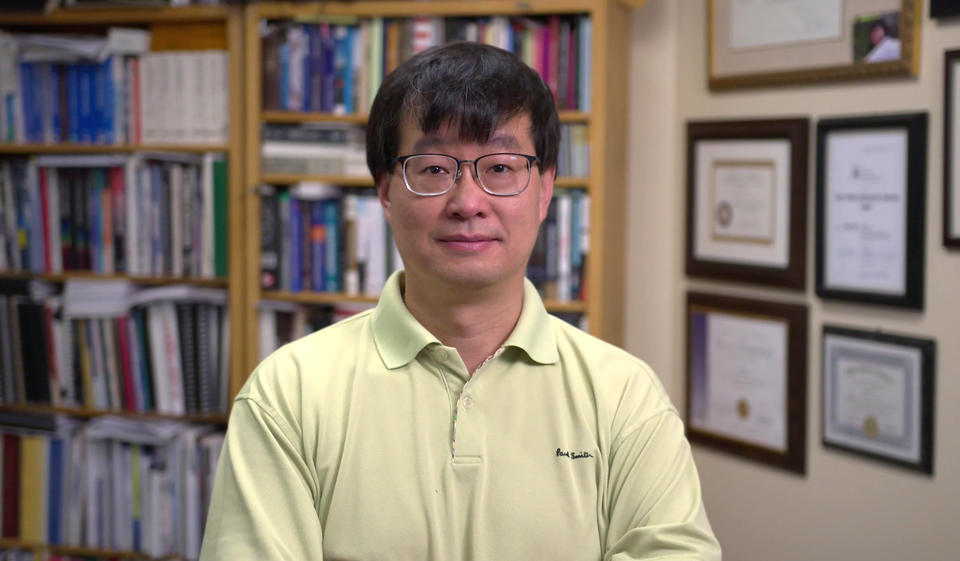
<point>89,413</point>
<point>606,136</point>
<point>108,148</point>
<point>6,543</point>
<point>221,27</point>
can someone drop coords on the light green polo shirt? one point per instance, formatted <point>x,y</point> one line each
<point>369,441</point>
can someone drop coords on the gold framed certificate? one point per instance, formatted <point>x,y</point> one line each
<point>746,200</point>
<point>878,396</point>
<point>746,378</point>
<point>772,42</point>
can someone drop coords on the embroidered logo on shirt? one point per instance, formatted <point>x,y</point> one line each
<point>573,455</point>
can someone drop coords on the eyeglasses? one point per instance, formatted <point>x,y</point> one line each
<point>501,175</point>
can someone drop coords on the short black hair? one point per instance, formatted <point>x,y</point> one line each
<point>470,86</point>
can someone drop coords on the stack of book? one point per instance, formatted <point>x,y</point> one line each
<point>314,148</point>
<point>314,238</point>
<point>110,90</point>
<point>336,66</point>
<point>118,484</point>
<point>104,345</point>
<point>558,264</point>
<point>574,156</point>
<point>146,214</point>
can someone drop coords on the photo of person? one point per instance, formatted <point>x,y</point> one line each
<point>876,38</point>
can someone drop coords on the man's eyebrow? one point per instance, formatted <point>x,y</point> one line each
<point>428,143</point>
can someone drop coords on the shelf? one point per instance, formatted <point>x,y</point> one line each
<point>359,181</point>
<point>77,551</point>
<point>294,117</point>
<point>88,413</point>
<point>338,297</point>
<point>118,16</point>
<point>107,148</point>
<point>306,10</point>
<point>86,275</point>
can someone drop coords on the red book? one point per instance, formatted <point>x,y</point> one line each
<point>571,85</point>
<point>126,368</point>
<point>551,49</point>
<point>136,114</point>
<point>11,486</point>
<point>45,219</point>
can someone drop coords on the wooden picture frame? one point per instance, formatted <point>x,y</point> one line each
<point>757,44</point>
<point>951,148</point>
<point>757,170</point>
<point>871,197</point>
<point>878,396</point>
<point>747,378</point>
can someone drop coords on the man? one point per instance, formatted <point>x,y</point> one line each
<point>883,45</point>
<point>457,420</point>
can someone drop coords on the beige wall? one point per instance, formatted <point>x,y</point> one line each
<point>844,507</point>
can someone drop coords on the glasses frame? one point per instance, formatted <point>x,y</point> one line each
<point>402,160</point>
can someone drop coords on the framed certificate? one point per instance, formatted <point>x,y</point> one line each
<point>746,201</point>
<point>871,190</point>
<point>944,8</point>
<point>747,378</point>
<point>878,396</point>
<point>951,149</point>
<point>772,42</point>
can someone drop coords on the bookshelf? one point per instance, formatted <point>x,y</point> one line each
<point>606,137</point>
<point>187,28</point>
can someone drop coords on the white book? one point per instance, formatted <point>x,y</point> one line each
<point>158,359</point>
<point>351,277</point>
<point>564,236</point>
<point>585,224</point>
<point>171,340</point>
<point>148,99</point>
<point>111,352</point>
<point>297,43</point>
<point>221,110</point>
<point>267,331</point>
<point>63,393</point>
<point>194,103</point>
<point>178,292</point>
<point>176,220</point>
<point>175,104</point>
<point>375,222</point>
<point>53,223</point>
<point>75,489</point>
<point>191,520</point>
<point>120,99</point>
<point>128,41</point>
<point>101,396</point>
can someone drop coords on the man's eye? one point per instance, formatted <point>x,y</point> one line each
<point>435,170</point>
<point>499,168</point>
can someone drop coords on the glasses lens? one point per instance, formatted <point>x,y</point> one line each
<point>429,174</point>
<point>503,174</point>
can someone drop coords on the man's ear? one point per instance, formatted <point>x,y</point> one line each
<point>383,193</point>
<point>546,191</point>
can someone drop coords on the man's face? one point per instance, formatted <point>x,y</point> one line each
<point>465,238</point>
<point>876,34</point>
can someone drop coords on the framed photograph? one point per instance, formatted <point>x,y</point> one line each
<point>773,42</point>
<point>944,8</point>
<point>747,201</point>
<point>878,396</point>
<point>871,191</point>
<point>951,148</point>
<point>747,378</point>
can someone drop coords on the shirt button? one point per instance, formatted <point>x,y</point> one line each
<point>467,402</point>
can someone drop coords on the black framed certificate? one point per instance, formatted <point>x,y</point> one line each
<point>951,148</point>
<point>747,201</point>
<point>746,378</point>
<point>871,192</point>
<point>878,396</point>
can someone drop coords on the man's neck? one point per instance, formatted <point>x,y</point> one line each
<point>475,322</point>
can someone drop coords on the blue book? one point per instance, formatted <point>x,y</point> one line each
<point>56,87</point>
<point>349,78</point>
<point>307,65</point>
<point>285,76</point>
<point>331,226</point>
<point>86,117</point>
<point>317,246</point>
<point>314,78</point>
<point>296,242</point>
<point>55,492</point>
<point>105,108</point>
<point>329,71</point>
<point>27,100</point>
<point>73,103</point>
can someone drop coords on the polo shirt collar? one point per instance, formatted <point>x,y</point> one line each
<point>399,337</point>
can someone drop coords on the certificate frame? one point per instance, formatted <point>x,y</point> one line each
<point>944,8</point>
<point>781,143</point>
<point>911,272</point>
<point>826,57</point>
<point>951,144</point>
<point>705,390</point>
<point>907,365</point>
